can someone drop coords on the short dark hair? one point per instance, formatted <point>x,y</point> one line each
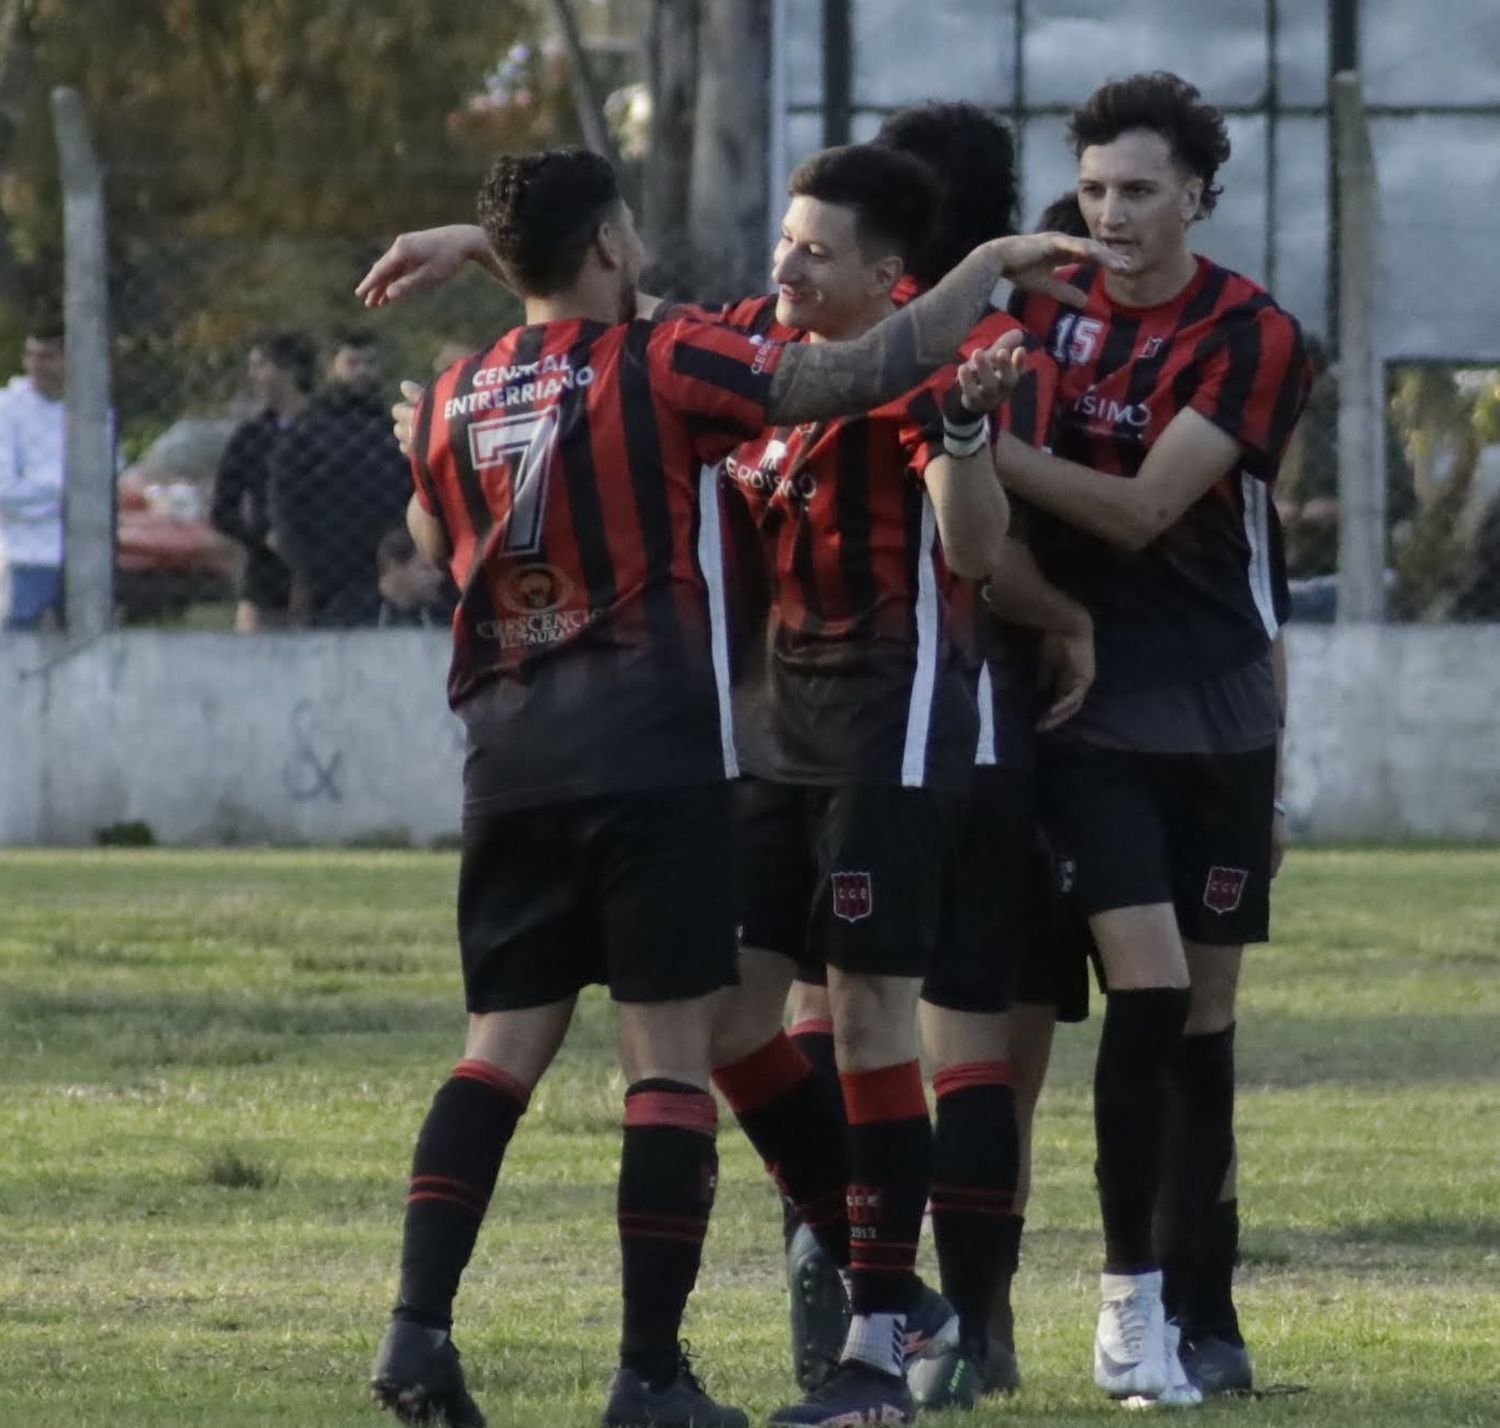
<point>46,327</point>
<point>357,337</point>
<point>292,353</point>
<point>542,211</point>
<point>974,158</point>
<point>894,196</point>
<point>1167,105</point>
<point>1063,215</point>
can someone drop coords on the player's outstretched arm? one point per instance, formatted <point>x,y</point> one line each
<point>428,257</point>
<point>817,380</point>
<point>1185,462</point>
<point>425,259</point>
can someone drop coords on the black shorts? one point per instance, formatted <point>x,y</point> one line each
<point>633,890</point>
<point>1192,830</point>
<point>1054,968</point>
<point>995,905</point>
<point>853,876</point>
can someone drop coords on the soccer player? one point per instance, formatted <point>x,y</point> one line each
<point>561,475</point>
<point>1181,382</point>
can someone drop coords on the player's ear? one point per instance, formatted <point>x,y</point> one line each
<point>1192,197</point>
<point>887,273</point>
<point>609,245</point>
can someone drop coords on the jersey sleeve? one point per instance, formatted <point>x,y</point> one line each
<point>717,378</point>
<point>1253,385</point>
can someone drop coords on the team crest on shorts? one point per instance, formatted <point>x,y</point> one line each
<point>853,895</point>
<point>1224,888</point>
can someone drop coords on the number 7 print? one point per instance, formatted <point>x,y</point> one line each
<point>524,446</point>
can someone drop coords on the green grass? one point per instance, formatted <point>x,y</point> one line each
<point>212,1066</point>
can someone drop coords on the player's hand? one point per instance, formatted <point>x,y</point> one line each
<point>1066,666</point>
<point>403,414</point>
<point>989,376</point>
<point>1030,258</point>
<point>424,259</point>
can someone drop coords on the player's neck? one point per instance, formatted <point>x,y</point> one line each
<point>593,298</point>
<point>855,327</point>
<point>1160,284</point>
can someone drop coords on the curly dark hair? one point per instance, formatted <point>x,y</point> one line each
<point>541,211</point>
<point>893,195</point>
<point>1167,105</point>
<point>974,157</point>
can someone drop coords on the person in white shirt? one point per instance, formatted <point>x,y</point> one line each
<point>32,425</point>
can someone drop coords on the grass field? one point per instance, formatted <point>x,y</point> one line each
<point>212,1065</point>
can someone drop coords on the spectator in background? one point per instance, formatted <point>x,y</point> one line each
<point>414,593</point>
<point>281,368</point>
<point>32,426</point>
<point>338,483</point>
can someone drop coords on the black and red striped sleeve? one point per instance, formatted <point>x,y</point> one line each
<point>716,377</point>
<point>1254,384</point>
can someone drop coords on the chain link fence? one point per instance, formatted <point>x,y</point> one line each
<point>260,484</point>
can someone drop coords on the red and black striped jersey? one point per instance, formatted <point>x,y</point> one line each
<point>1207,595</point>
<point>566,463</point>
<point>863,679</point>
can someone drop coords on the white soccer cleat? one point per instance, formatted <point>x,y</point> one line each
<point>1130,1352</point>
<point>1180,1391</point>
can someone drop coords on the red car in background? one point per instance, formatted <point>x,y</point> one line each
<point>167,555</point>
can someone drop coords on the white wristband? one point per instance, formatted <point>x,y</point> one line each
<point>967,439</point>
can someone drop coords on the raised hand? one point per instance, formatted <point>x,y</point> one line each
<point>425,259</point>
<point>1031,258</point>
<point>990,375</point>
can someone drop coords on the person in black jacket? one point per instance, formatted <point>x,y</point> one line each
<point>338,484</point>
<point>281,379</point>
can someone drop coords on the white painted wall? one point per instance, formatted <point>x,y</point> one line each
<point>1395,733</point>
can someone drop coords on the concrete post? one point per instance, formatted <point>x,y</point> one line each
<point>89,486</point>
<point>1362,521</point>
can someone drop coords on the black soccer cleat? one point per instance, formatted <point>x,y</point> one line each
<point>855,1394</point>
<point>633,1403</point>
<point>820,1310</point>
<point>1217,1366</point>
<point>417,1376</point>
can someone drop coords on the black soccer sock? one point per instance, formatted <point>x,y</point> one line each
<point>795,1121</point>
<point>1130,1110</point>
<point>813,1037</point>
<point>976,1155</point>
<point>453,1174</point>
<point>668,1173</point>
<point>1002,1318</point>
<point>1198,1149</point>
<point>1211,1307</point>
<point>890,1172</point>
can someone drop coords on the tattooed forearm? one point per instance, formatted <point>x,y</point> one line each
<point>817,380</point>
<point>825,380</point>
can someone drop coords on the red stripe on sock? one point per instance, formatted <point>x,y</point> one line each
<point>974,1073</point>
<point>892,1093</point>
<point>465,1204</point>
<point>687,1110</point>
<point>494,1078</point>
<point>763,1076</point>
<point>812,1026</point>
